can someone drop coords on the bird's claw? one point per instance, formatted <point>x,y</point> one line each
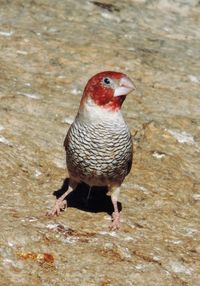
<point>115,221</point>
<point>59,206</point>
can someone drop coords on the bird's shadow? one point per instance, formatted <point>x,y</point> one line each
<point>98,200</point>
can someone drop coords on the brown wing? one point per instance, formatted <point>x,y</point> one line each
<point>65,143</point>
<point>129,164</point>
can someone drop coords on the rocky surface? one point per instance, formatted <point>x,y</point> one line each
<point>49,49</point>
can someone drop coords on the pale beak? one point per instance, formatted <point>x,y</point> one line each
<point>125,87</point>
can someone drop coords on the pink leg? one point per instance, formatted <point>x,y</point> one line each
<point>61,203</point>
<point>115,215</point>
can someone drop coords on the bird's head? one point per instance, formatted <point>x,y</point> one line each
<point>107,89</point>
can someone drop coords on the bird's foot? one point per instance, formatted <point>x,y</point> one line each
<point>59,206</point>
<point>115,221</point>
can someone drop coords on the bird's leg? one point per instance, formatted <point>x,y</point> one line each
<point>61,202</point>
<point>88,196</point>
<point>89,193</point>
<point>115,215</point>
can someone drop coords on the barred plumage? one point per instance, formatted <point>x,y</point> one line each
<point>98,144</point>
<point>98,154</point>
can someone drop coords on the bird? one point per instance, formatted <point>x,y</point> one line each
<point>98,144</point>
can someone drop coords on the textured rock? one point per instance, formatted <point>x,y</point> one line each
<point>48,52</point>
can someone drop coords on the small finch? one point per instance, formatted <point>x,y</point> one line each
<point>98,144</point>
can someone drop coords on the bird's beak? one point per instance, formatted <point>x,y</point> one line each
<point>125,87</point>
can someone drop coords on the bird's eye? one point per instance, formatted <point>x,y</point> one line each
<point>107,81</point>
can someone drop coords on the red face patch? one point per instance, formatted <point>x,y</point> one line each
<point>101,88</point>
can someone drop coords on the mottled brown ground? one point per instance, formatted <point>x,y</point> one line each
<point>49,49</point>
